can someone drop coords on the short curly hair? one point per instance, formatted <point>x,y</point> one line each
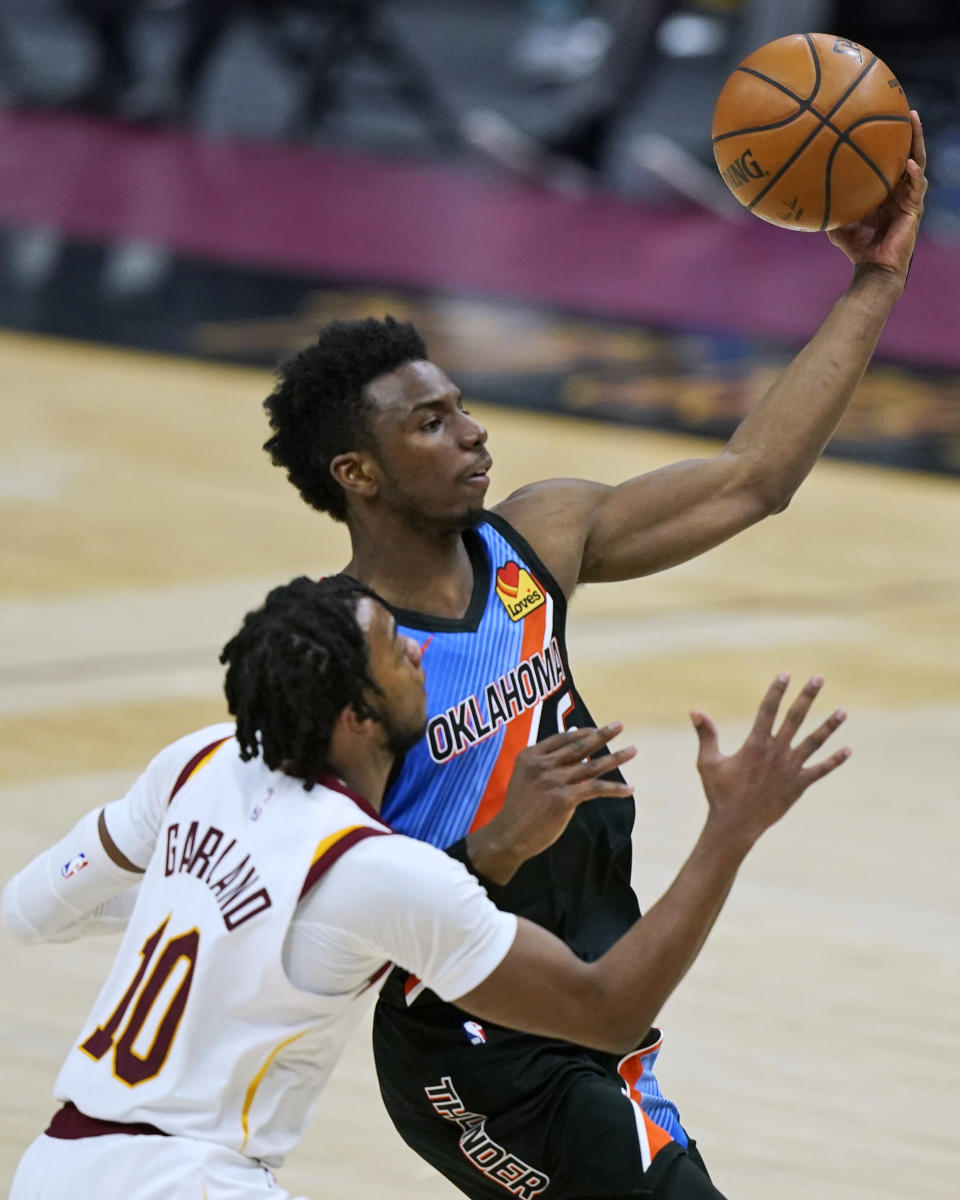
<point>318,408</point>
<point>295,665</point>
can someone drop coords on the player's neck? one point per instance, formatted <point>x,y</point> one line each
<point>362,772</point>
<point>416,570</point>
<point>360,754</point>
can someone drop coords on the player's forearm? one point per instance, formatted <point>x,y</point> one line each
<point>640,971</point>
<point>782,437</point>
<point>65,891</point>
<point>542,987</point>
<point>491,855</point>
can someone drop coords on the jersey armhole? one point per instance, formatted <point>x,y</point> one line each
<point>543,574</point>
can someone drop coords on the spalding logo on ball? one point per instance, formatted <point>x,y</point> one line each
<point>811,132</point>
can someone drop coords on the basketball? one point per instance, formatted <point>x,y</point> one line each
<point>811,131</point>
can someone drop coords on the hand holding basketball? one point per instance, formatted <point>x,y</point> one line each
<point>886,236</point>
<point>812,132</point>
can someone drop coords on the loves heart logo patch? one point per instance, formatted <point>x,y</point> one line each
<point>518,591</point>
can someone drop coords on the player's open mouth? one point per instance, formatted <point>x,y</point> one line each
<point>481,474</point>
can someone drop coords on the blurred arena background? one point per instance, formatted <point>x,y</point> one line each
<point>189,188</point>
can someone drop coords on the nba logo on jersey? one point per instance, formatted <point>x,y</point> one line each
<point>474,1031</point>
<point>258,809</point>
<point>77,863</point>
<point>517,590</point>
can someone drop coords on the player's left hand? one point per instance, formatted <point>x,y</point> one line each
<point>749,791</point>
<point>887,236</point>
<point>550,780</point>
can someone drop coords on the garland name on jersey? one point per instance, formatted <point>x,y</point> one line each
<point>230,874</point>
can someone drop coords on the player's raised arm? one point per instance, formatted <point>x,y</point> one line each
<point>588,532</point>
<point>542,987</point>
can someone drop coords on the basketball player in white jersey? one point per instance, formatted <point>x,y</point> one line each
<point>272,898</point>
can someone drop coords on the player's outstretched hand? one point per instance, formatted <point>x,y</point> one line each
<point>550,781</point>
<point>886,237</point>
<point>749,791</point>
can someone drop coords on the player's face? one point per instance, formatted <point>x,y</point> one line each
<point>395,666</point>
<point>430,452</point>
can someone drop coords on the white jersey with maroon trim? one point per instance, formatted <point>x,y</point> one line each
<point>198,1029</point>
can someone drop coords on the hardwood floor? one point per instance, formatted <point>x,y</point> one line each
<point>814,1047</point>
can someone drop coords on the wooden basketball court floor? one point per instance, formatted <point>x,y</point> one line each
<point>815,1047</point>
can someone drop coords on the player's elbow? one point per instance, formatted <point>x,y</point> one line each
<point>14,922</point>
<point>610,1019</point>
<point>773,495</point>
<point>621,1042</point>
<point>626,1030</point>
<point>760,491</point>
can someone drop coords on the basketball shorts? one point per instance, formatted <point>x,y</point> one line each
<point>142,1167</point>
<point>502,1113</point>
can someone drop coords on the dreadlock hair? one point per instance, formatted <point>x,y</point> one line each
<point>293,667</point>
<point>318,408</point>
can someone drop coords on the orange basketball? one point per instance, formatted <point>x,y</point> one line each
<point>811,131</point>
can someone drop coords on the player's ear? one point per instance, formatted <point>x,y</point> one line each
<point>356,472</point>
<point>349,731</point>
<point>351,723</point>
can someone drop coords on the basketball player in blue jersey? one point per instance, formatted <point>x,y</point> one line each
<point>373,433</point>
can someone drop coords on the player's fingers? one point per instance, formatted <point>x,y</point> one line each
<point>918,149</point>
<point>558,741</point>
<point>798,709</point>
<point>813,741</point>
<point>592,768</point>
<point>601,789</point>
<point>706,733</point>
<point>818,770</point>
<point>575,744</point>
<point>767,712</point>
<point>911,190</point>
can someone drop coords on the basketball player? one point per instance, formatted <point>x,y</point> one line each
<point>273,897</point>
<point>373,433</point>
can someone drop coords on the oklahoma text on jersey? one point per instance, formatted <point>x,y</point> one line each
<point>463,724</point>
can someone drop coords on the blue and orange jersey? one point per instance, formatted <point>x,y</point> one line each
<point>498,680</point>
